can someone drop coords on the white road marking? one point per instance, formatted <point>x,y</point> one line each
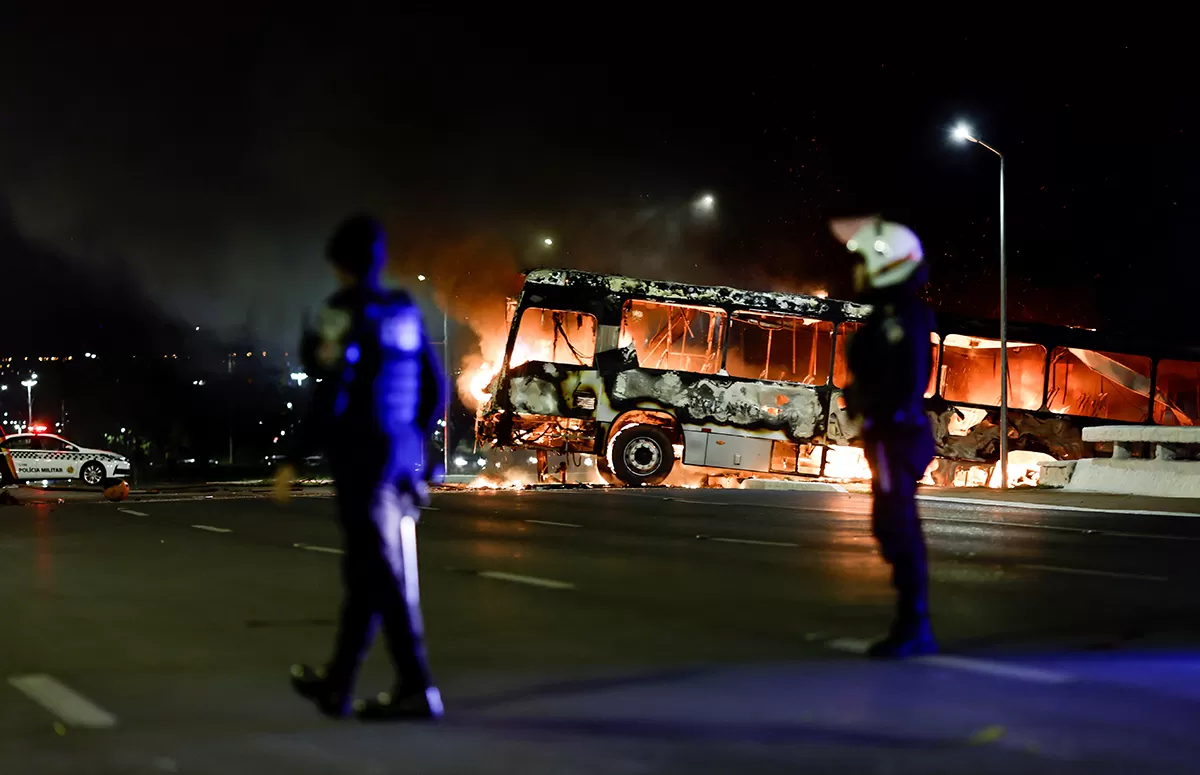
<point>748,504</point>
<point>532,581</point>
<point>212,529</point>
<point>997,669</point>
<point>66,704</point>
<point>322,549</point>
<point>548,522</point>
<point>983,666</point>
<point>1051,506</point>
<point>752,542</point>
<point>134,513</point>
<point>1062,528</point>
<point>1088,572</point>
<point>849,645</point>
<point>430,508</point>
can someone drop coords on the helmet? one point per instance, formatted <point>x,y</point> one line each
<point>890,251</point>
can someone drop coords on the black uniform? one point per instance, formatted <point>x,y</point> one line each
<point>890,361</point>
<point>379,393</point>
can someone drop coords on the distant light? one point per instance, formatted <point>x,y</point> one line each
<point>532,460</point>
<point>289,404</point>
<point>283,433</point>
<point>421,278</point>
<point>497,465</point>
<point>197,328</point>
<point>821,294</point>
<point>29,383</point>
<point>459,462</point>
<point>547,242</point>
<point>481,462</point>
<point>707,201</point>
<point>962,133</point>
<point>299,377</point>
<point>122,430</point>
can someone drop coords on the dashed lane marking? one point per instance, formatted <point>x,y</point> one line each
<point>997,669</point>
<point>849,645</point>
<point>968,664</point>
<point>532,581</point>
<point>1089,572</point>
<point>752,542</point>
<point>321,549</point>
<point>134,513</point>
<point>212,529</point>
<point>554,524</point>
<point>69,706</point>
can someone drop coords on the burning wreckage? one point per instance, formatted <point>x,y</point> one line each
<point>642,374</point>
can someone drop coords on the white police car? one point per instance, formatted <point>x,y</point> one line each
<point>28,456</point>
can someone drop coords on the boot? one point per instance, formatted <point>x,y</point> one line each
<point>909,637</point>
<point>417,705</point>
<point>312,684</point>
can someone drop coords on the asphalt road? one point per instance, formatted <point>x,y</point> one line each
<point>603,632</point>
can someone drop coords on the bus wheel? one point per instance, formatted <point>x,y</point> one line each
<point>606,472</point>
<point>642,454</point>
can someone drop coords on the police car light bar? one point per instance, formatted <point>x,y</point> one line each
<point>37,428</point>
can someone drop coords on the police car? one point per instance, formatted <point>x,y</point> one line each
<point>28,456</point>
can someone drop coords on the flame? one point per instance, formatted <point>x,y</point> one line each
<point>512,480</point>
<point>1023,468</point>
<point>845,463</point>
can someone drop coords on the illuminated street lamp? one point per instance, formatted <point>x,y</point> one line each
<point>548,242</point>
<point>29,385</point>
<point>299,377</point>
<point>962,133</point>
<point>704,206</point>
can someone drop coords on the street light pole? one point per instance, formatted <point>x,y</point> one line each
<point>28,385</point>
<point>450,379</point>
<point>1003,339</point>
<point>449,393</point>
<point>962,132</point>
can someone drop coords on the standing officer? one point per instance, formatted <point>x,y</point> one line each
<point>379,392</point>
<point>890,363</point>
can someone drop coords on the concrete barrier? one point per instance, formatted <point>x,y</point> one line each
<point>1168,474</point>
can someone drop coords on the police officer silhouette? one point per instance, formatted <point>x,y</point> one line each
<point>379,392</point>
<point>890,362</point>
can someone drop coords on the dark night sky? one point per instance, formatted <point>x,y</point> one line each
<point>200,158</point>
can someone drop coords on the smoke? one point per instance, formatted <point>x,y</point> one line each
<point>471,278</point>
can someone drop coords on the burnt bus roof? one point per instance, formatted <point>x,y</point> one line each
<point>560,282</point>
<point>730,299</point>
<point>1066,336</point>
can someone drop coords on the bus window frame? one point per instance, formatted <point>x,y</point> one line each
<point>722,331</point>
<point>729,318</point>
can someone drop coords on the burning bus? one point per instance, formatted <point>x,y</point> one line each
<point>646,375</point>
